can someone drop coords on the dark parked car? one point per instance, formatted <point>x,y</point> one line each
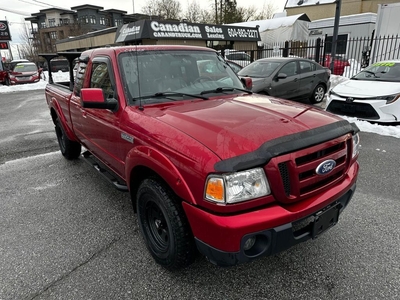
<point>288,78</point>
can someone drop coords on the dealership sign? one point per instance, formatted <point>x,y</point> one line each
<point>4,31</point>
<point>152,29</point>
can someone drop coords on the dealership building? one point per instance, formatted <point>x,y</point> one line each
<point>163,32</point>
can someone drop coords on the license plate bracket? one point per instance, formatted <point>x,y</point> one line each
<point>324,220</point>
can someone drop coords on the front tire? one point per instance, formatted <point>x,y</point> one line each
<point>164,226</point>
<point>318,94</point>
<point>69,149</point>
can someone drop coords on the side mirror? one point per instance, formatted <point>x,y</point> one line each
<point>281,76</point>
<point>94,98</point>
<point>247,82</point>
<point>40,70</point>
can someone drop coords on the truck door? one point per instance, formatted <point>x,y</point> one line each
<point>99,129</point>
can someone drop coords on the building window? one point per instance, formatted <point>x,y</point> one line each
<point>84,19</point>
<point>64,21</point>
<point>53,35</point>
<point>118,22</point>
<point>92,19</point>
<point>102,21</point>
<point>43,25</point>
<point>52,22</point>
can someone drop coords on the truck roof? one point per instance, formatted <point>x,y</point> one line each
<point>119,49</point>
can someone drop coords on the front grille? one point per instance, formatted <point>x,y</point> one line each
<point>353,109</point>
<point>297,177</point>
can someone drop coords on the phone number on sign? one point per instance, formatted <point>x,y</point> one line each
<point>244,33</point>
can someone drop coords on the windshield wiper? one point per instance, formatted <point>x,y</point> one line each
<point>166,94</point>
<point>369,72</point>
<point>224,89</point>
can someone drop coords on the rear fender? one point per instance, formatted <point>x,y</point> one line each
<point>57,113</point>
<point>146,157</point>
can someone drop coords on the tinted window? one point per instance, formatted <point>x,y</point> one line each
<point>289,69</point>
<point>306,66</point>
<point>100,78</point>
<point>259,69</point>
<point>80,76</point>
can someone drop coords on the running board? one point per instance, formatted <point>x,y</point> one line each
<point>109,175</point>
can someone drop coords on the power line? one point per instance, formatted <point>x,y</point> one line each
<point>23,13</point>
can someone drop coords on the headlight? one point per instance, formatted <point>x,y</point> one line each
<point>331,92</point>
<point>237,187</point>
<point>356,145</point>
<point>389,99</point>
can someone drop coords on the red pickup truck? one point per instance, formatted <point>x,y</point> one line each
<point>209,165</point>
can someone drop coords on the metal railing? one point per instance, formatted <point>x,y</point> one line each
<point>355,53</point>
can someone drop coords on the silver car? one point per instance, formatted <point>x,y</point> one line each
<point>288,78</point>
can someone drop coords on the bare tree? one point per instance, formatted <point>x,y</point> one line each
<point>196,14</point>
<point>166,9</point>
<point>27,48</point>
<point>193,12</point>
<point>267,11</point>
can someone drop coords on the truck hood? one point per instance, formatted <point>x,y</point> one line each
<point>367,89</point>
<point>233,126</point>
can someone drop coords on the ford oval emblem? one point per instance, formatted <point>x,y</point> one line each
<point>325,167</point>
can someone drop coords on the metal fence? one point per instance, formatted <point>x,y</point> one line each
<point>355,53</point>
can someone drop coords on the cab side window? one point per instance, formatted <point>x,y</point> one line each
<point>100,78</point>
<point>79,78</point>
<point>306,66</point>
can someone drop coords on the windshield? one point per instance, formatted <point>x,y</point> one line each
<point>380,71</point>
<point>259,69</point>
<point>181,72</point>
<point>25,68</point>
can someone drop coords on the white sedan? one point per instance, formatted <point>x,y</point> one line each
<point>373,94</point>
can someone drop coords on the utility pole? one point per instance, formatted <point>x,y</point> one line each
<point>335,33</point>
<point>133,6</point>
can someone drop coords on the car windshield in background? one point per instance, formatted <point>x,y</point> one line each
<point>380,71</point>
<point>259,69</point>
<point>25,68</point>
<point>175,75</point>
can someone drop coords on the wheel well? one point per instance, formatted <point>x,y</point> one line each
<point>138,174</point>
<point>53,115</point>
<point>323,83</point>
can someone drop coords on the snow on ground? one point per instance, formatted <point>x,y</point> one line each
<point>57,77</point>
<point>393,131</point>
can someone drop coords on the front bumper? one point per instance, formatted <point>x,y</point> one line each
<point>369,110</point>
<point>275,228</point>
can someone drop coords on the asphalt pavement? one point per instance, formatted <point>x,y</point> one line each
<point>68,234</point>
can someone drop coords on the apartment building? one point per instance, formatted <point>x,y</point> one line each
<point>53,24</point>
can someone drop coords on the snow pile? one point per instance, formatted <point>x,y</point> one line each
<point>353,69</point>
<point>365,126</point>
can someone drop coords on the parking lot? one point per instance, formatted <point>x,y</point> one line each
<point>67,234</point>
